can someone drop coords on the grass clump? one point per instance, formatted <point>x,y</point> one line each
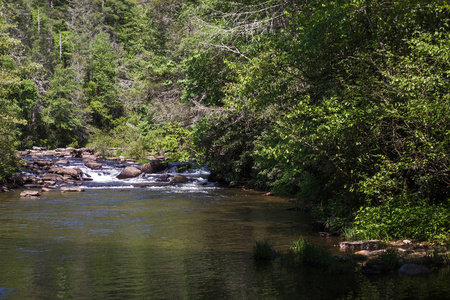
<point>306,252</point>
<point>263,250</point>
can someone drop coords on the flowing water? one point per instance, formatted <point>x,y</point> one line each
<point>192,241</point>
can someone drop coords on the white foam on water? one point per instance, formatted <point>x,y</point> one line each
<point>106,176</point>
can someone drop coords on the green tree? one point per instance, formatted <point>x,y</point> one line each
<point>63,113</point>
<point>13,83</point>
<point>101,82</point>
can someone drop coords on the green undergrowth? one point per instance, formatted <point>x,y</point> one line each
<point>306,252</point>
<point>137,140</point>
<point>394,220</point>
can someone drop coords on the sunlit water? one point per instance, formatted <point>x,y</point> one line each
<point>166,243</point>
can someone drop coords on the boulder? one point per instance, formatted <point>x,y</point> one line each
<point>163,178</point>
<point>90,157</point>
<point>65,171</point>
<point>413,270</point>
<point>93,165</point>
<point>43,163</point>
<point>68,180</point>
<point>29,194</point>
<point>154,166</point>
<point>129,172</point>
<point>52,177</point>
<point>179,179</point>
<point>375,267</point>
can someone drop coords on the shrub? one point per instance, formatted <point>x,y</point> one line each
<point>397,219</point>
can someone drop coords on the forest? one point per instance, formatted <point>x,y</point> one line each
<point>343,104</point>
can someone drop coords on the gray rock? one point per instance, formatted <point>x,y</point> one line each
<point>179,179</point>
<point>163,178</point>
<point>90,157</point>
<point>413,270</point>
<point>52,177</point>
<point>93,165</point>
<point>129,172</point>
<point>43,163</point>
<point>75,174</point>
<point>360,245</point>
<point>154,166</point>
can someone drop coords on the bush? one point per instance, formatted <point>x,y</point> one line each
<point>397,219</point>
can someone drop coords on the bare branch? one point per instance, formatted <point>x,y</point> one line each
<point>227,48</point>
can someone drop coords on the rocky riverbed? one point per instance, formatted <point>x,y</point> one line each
<point>67,169</point>
<point>404,257</point>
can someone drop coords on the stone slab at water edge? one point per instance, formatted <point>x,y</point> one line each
<point>360,245</point>
<point>30,194</point>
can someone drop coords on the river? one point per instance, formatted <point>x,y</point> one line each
<point>171,242</point>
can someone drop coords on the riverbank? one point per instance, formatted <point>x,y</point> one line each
<point>404,257</point>
<point>369,258</point>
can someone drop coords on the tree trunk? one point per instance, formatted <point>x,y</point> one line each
<point>39,22</point>
<point>60,48</point>
<point>50,3</point>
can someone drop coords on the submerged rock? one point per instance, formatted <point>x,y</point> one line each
<point>163,178</point>
<point>179,179</point>
<point>413,270</point>
<point>71,189</point>
<point>375,267</point>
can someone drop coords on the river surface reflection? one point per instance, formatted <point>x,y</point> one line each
<point>156,243</point>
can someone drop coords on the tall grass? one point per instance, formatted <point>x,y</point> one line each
<point>306,252</point>
<point>263,250</point>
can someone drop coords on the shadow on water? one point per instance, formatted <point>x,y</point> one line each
<point>170,243</point>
